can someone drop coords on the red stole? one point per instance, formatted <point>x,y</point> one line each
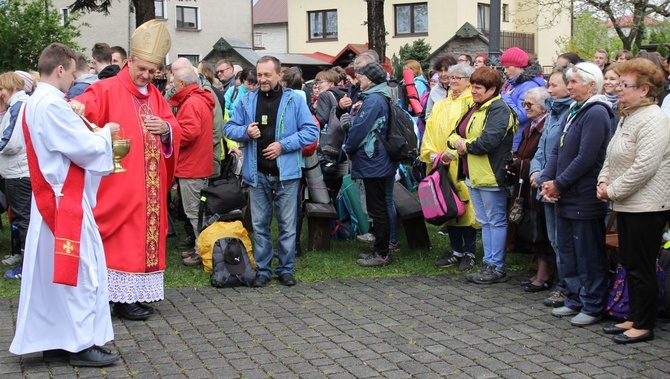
<point>64,220</point>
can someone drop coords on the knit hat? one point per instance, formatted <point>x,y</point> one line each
<point>27,80</point>
<point>374,72</point>
<point>515,57</point>
<point>150,42</point>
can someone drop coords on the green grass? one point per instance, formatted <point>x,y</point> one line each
<point>337,263</point>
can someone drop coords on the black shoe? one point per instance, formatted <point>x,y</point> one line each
<point>624,339</point>
<point>131,311</point>
<point>94,356</point>
<point>186,243</point>
<point>147,307</point>
<point>287,279</point>
<point>260,281</point>
<point>55,355</point>
<point>613,329</point>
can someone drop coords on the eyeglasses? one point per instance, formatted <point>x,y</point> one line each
<point>462,60</point>
<point>575,68</point>
<point>224,70</point>
<point>527,104</point>
<point>626,85</point>
<point>319,83</point>
<point>457,78</point>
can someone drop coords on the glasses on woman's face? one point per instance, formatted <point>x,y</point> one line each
<point>626,85</point>
<point>527,104</point>
<point>455,78</point>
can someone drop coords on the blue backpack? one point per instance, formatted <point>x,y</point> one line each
<point>346,225</point>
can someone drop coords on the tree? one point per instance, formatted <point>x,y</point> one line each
<point>419,51</point>
<point>145,10</point>
<point>26,28</point>
<point>589,34</point>
<point>376,28</point>
<point>612,10</point>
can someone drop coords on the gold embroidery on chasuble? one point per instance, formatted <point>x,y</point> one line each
<point>152,156</point>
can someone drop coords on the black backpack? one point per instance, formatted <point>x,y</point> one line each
<point>231,266</point>
<point>401,142</point>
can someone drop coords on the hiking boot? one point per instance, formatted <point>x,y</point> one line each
<point>193,260</point>
<point>14,273</point>
<point>374,260</point>
<point>394,246</point>
<point>448,260</point>
<point>491,275</point>
<point>187,253</point>
<point>367,237</point>
<point>556,299</point>
<point>12,260</point>
<point>471,277</point>
<point>467,262</point>
<point>186,243</point>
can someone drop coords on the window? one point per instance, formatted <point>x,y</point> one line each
<point>411,19</point>
<point>322,25</point>
<point>193,58</point>
<point>160,9</point>
<point>483,17</point>
<point>258,40</point>
<point>188,18</point>
<point>505,12</point>
<point>64,16</point>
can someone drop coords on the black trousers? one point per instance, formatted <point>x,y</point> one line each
<point>19,192</point>
<point>375,198</point>
<point>639,242</point>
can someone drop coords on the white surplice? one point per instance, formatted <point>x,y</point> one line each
<point>56,316</point>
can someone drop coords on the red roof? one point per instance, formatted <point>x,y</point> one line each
<point>321,56</point>
<point>270,12</point>
<point>627,21</point>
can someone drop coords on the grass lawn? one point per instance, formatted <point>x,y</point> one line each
<point>338,263</point>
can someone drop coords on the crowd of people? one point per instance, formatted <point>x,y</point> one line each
<point>540,161</point>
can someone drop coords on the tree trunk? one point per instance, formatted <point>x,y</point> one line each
<point>376,28</point>
<point>144,11</point>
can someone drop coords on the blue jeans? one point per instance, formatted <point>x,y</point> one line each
<point>491,213</point>
<point>393,214</point>
<point>583,263</point>
<point>463,239</point>
<point>550,215</point>
<point>271,191</point>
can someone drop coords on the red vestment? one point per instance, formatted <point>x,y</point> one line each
<point>132,206</point>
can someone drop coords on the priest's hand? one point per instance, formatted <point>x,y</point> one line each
<point>253,131</point>
<point>78,107</point>
<point>155,125</point>
<point>113,128</point>
<point>272,151</point>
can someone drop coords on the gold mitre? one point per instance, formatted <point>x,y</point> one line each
<point>150,42</point>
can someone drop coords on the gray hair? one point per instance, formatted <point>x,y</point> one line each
<point>188,76</point>
<point>462,68</point>
<point>589,73</point>
<point>539,94</point>
<point>363,60</point>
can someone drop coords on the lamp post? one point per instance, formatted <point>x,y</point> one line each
<point>494,31</point>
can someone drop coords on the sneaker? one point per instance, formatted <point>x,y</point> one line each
<point>193,260</point>
<point>394,246</point>
<point>467,262</point>
<point>491,275</point>
<point>555,299</point>
<point>444,231</point>
<point>448,260</point>
<point>12,260</point>
<point>583,319</point>
<point>471,277</point>
<point>564,312</point>
<point>374,260</point>
<point>367,237</point>
<point>14,273</point>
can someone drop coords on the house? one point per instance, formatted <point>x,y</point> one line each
<point>327,26</point>
<point>271,26</point>
<point>626,22</point>
<point>194,25</point>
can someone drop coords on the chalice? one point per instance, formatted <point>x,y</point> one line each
<point>120,148</point>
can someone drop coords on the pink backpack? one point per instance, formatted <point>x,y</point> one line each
<point>439,201</point>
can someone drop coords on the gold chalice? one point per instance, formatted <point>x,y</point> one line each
<point>121,148</point>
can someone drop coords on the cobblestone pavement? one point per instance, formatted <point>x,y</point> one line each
<point>420,327</point>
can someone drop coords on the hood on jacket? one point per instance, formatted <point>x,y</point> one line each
<point>380,88</point>
<point>339,92</point>
<point>556,106</point>
<point>87,78</point>
<point>529,73</point>
<point>109,71</point>
<point>192,90</point>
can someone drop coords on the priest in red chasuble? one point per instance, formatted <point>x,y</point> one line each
<point>132,206</point>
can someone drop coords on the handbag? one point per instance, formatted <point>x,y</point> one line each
<point>516,210</point>
<point>533,227</point>
<point>223,195</point>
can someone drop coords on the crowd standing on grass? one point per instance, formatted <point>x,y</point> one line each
<point>541,161</point>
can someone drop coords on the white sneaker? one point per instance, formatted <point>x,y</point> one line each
<point>12,260</point>
<point>367,237</point>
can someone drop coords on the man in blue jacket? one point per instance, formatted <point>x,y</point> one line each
<point>275,124</point>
